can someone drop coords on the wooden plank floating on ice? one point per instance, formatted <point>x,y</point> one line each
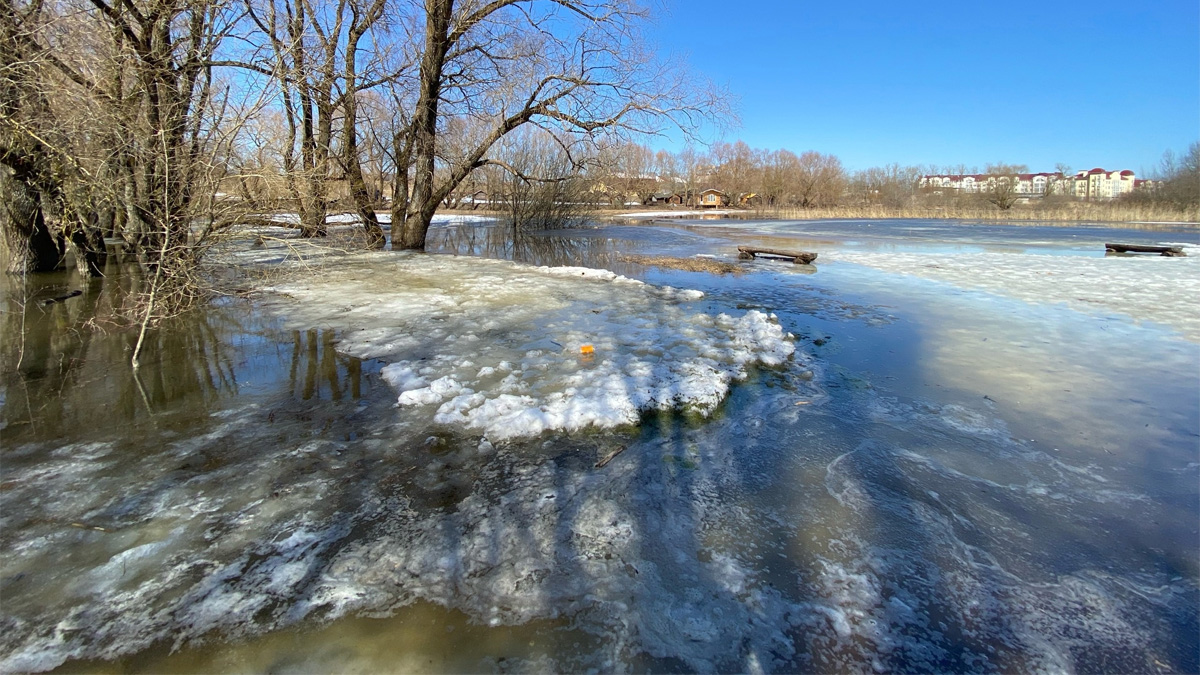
<point>1174,251</point>
<point>797,257</point>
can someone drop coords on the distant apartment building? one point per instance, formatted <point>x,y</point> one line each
<point>1101,184</point>
<point>1029,184</point>
<point>1094,184</point>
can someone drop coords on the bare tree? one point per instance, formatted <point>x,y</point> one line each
<point>315,47</point>
<point>819,180</point>
<point>777,176</point>
<point>118,124</point>
<point>1002,184</point>
<point>25,175</point>
<point>544,189</point>
<point>572,66</point>
<point>892,185</point>
<point>622,170</point>
<point>737,168</point>
<point>1176,182</point>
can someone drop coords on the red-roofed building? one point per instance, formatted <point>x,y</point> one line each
<point>1027,184</point>
<point>1094,183</point>
<point>1101,184</point>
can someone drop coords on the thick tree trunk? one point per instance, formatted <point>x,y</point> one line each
<point>313,207</point>
<point>399,201</point>
<point>31,246</point>
<point>402,151</point>
<point>90,254</point>
<point>424,201</point>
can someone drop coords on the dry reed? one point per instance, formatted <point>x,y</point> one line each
<point>1096,212</point>
<point>687,264</point>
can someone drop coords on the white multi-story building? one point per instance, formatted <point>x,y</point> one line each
<point>1095,184</point>
<point>1101,184</point>
<point>1029,184</point>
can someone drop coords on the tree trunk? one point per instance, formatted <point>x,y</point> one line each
<point>424,201</point>
<point>359,194</point>
<point>31,246</point>
<point>90,254</point>
<point>402,152</point>
<point>313,208</point>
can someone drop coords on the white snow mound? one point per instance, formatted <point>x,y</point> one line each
<point>499,348</point>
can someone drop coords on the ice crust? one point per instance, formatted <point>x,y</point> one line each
<point>495,347</point>
<point>1147,288</point>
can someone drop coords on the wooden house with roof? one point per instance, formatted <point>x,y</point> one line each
<point>713,198</point>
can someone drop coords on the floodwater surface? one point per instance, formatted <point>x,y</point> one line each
<point>943,447</point>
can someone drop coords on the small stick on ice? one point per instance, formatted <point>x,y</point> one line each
<point>608,458</point>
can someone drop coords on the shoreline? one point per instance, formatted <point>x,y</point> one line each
<point>1098,217</point>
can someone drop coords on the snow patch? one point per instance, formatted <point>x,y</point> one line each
<point>502,344</point>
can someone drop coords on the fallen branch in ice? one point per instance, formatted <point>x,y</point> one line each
<point>609,457</point>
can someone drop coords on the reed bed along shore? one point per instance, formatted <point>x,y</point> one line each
<point>1072,212</point>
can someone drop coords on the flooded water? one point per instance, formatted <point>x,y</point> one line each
<point>980,452</point>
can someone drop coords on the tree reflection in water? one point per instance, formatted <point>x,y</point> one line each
<point>500,240</point>
<point>65,364</point>
<point>314,352</point>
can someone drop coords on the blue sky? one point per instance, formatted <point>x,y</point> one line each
<point>1098,83</point>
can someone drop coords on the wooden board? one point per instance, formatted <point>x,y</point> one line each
<point>1175,251</point>
<point>797,257</point>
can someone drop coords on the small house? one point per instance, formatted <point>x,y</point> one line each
<point>712,198</point>
<point>685,198</point>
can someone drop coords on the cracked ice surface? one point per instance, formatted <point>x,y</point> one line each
<point>1147,288</point>
<point>495,347</point>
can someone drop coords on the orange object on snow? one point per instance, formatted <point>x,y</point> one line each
<point>587,349</point>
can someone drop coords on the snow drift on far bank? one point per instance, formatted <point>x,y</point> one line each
<point>497,348</point>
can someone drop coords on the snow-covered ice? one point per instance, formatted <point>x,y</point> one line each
<point>1147,288</point>
<point>495,347</point>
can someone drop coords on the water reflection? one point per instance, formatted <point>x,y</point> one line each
<point>495,240</point>
<point>326,373</point>
<point>66,363</point>
<point>600,246</point>
<point>66,372</point>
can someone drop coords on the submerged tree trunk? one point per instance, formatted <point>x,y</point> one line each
<point>313,207</point>
<point>32,247</point>
<point>88,246</point>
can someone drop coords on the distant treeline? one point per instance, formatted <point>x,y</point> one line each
<point>780,179</point>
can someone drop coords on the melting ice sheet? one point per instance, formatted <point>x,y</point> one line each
<point>499,348</point>
<point>1149,288</point>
